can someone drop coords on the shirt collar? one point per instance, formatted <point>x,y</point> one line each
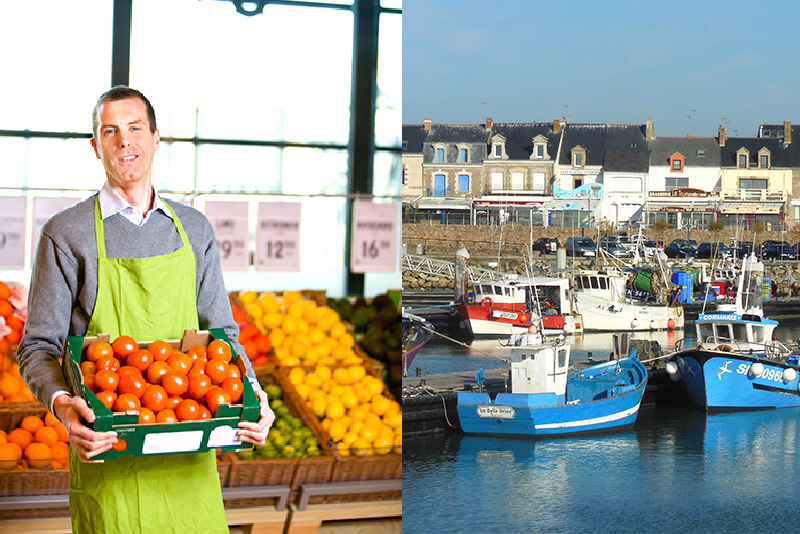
<point>112,202</point>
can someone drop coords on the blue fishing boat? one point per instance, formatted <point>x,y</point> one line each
<point>546,400</point>
<point>736,363</point>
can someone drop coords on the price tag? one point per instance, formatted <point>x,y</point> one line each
<point>374,233</point>
<point>232,231</point>
<point>43,209</point>
<point>12,232</point>
<point>278,236</point>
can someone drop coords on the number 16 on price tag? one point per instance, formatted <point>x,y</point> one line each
<point>374,233</point>
<point>278,236</point>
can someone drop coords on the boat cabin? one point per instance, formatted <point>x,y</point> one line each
<point>537,367</point>
<point>528,294</point>
<point>734,332</point>
<point>601,284</point>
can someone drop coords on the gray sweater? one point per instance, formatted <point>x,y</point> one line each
<point>64,283</point>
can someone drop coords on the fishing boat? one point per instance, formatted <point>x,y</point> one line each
<point>623,300</point>
<point>546,400</point>
<point>416,332</point>
<point>736,362</point>
<point>511,304</point>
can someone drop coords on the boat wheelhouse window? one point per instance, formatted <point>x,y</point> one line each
<point>595,283</point>
<point>724,332</point>
<point>740,331</point>
<point>705,331</point>
<point>603,283</point>
<point>507,291</point>
<point>562,357</point>
<point>758,334</point>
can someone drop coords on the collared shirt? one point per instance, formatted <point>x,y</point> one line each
<point>112,203</point>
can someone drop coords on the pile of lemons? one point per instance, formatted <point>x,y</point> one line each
<point>352,407</point>
<point>302,332</point>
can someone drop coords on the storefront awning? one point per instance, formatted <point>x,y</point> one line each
<point>443,203</point>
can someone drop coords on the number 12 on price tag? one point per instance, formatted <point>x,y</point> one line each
<point>374,233</point>
<point>278,236</point>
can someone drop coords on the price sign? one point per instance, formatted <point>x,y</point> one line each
<point>12,232</point>
<point>231,229</point>
<point>43,209</point>
<point>278,236</point>
<point>374,233</point>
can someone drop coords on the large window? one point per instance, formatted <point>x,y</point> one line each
<point>753,183</point>
<point>256,108</point>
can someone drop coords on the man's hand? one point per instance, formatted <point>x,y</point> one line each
<point>257,432</point>
<point>74,413</point>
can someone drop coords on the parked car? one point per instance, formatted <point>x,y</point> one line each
<point>546,245</point>
<point>650,248</point>
<point>613,245</point>
<point>580,246</point>
<point>778,251</point>
<point>680,250</point>
<point>745,248</point>
<point>690,242</point>
<point>713,249</point>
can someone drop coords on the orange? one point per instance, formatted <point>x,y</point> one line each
<point>9,385</point>
<point>46,435</point>
<point>8,455</point>
<point>21,437</point>
<point>38,455</point>
<point>31,423</point>
<point>60,453</point>
<point>6,308</point>
<point>50,419</point>
<point>3,437</point>
<point>5,291</point>
<point>61,430</point>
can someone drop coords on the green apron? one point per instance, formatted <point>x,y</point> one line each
<point>147,298</point>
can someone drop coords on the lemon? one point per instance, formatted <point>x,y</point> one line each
<point>382,445</point>
<point>337,430</point>
<point>394,420</point>
<point>357,372</point>
<point>341,450</point>
<point>398,444</point>
<point>380,405</point>
<point>303,390</point>
<point>247,297</point>
<point>349,399</point>
<point>254,310</point>
<point>272,319</point>
<point>313,379</point>
<point>323,372</point>
<point>318,406</point>
<point>297,375</point>
<point>348,438</point>
<point>334,410</point>
<point>368,433</point>
<point>361,447</point>
<point>342,376</point>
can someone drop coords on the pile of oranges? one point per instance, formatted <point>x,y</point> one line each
<point>9,318</point>
<point>12,387</point>
<point>162,384</point>
<point>41,442</point>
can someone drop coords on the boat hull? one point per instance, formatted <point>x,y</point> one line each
<point>723,381</point>
<point>498,321</point>
<point>602,315</point>
<point>521,414</point>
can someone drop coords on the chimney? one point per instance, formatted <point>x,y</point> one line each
<point>428,123</point>
<point>721,135</point>
<point>488,123</point>
<point>787,132</point>
<point>650,132</point>
<point>556,126</point>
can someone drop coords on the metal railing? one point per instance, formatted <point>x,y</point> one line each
<point>447,269</point>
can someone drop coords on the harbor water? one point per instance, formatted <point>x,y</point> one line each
<point>676,470</point>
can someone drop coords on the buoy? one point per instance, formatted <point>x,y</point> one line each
<point>670,324</point>
<point>673,371</point>
<point>724,348</point>
<point>487,301</point>
<point>789,375</point>
<point>532,329</point>
<point>652,324</point>
<point>757,369</point>
<point>635,322</point>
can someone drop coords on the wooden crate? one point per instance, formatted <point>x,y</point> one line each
<point>258,472</point>
<point>312,471</point>
<point>12,413</point>
<point>357,468</point>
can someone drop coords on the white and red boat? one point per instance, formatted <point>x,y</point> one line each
<point>506,306</point>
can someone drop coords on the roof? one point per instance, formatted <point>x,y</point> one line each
<point>625,141</point>
<point>781,155</point>
<point>457,133</point>
<point>413,138</point>
<point>662,148</point>
<point>519,138</point>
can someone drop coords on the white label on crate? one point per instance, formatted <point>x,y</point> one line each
<point>223,436</point>
<point>159,443</point>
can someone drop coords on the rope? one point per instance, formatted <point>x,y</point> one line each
<point>656,358</point>
<point>416,391</point>
<point>432,331</point>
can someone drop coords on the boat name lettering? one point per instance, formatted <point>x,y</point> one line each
<point>497,412</point>
<point>508,315</point>
<point>719,317</point>
<point>770,373</point>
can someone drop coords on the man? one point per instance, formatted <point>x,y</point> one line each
<point>124,261</point>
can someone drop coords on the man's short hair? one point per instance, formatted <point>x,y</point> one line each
<point>122,92</point>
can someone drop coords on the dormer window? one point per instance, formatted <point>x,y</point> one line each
<point>764,158</point>
<point>539,148</point>
<point>463,153</point>
<point>578,156</point>
<point>743,158</point>
<point>439,154</point>
<point>499,147</point>
<point>676,162</point>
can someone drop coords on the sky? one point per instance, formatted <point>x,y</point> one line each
<point>690,66</point>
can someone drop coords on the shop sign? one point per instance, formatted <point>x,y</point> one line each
<point>374,237</point>
<point>43,209</point>
<point>278,236</point>
<point>231,227</point>
<point>683,192</point>
<point>12,232</point>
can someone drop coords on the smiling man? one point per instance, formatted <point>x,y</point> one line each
<point>125,261</point>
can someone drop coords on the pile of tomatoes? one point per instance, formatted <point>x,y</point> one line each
<point>163,384</point>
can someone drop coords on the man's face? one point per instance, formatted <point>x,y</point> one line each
<point>123,142</point>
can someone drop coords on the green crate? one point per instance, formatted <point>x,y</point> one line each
<point>183,437</point>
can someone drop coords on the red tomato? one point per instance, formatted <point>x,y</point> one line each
<point>166,416</point>
<point>215,397</point>
<point>123,346</point>
<point>248,332</point>
<point>205,413</point>
<point>180,362</point>
<point>250,348</point>
<point>129,370</point>
<point>106,380</point>
<point>127,402</point>
<point>156,371</point>
<point>88,368</point>
<point>188,410</point>
<point>175,383</point>
<point>155,398</point>
<point>219,349</point>
<point>146,416</point>
<point>107,362</point>
<point>174,402</point>
<point>263,343</point>
<point>91,382</point>
<point>198,352</point>
<point>199,385</point>
<point>217,370</point>
<point>234,372</point>
<point>160,350</point>
<point>234,387</point>
<point>97,350</point>
<point>108,398</point>
<point>135,385</point>
<point>141,359</point>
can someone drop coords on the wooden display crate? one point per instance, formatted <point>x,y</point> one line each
<point>12,413</point>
